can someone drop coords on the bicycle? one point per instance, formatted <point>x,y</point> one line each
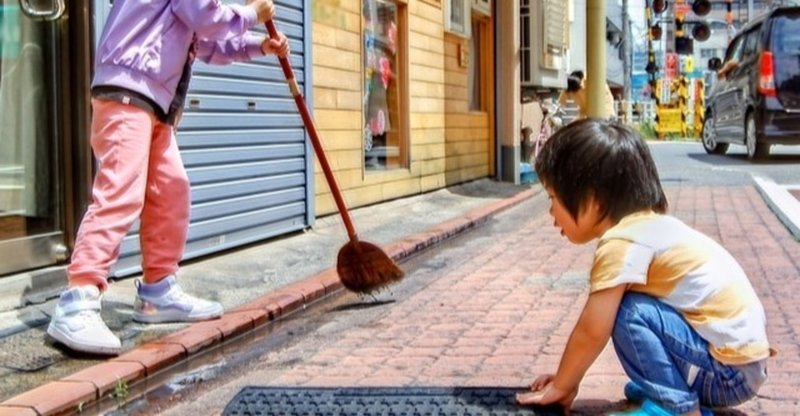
<point>551,122</point>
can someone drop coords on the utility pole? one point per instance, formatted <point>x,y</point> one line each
<point>595,57</point>
<point>626,62</point>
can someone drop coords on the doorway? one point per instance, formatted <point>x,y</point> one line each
<point>31,169</point>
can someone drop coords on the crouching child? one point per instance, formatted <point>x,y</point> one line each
<point>686,324</point>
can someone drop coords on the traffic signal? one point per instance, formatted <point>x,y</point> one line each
<point>659,6</point>
<point>701,31</point>
<point>701,7</point>
<point>655,32</point>
<point>684,45</point>
<point>679,18</point>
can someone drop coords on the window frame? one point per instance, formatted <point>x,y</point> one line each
<point>482,7</point>
<point>752,44</point>
<point>479,62</point>
<point>464,28</point>
<point>734,51</point>
<point>401,79</point>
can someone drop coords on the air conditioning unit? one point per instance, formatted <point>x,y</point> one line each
<point>544,40</point>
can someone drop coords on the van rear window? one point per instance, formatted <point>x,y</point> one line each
<point>786,35</point>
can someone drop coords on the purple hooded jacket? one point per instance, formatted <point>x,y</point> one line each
<point>145,44</point>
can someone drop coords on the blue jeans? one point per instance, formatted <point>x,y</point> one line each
<point>664,355</point>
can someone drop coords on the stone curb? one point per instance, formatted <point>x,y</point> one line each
<point>785,206</point>
<point>87,386</point>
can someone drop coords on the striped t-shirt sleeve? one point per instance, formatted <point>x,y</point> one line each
<point>619,261</point>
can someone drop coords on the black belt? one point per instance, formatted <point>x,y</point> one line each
<point>128,97</point>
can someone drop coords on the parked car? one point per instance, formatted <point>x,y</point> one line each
<point>756,99</point>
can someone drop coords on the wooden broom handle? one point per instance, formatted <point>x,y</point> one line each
<point>312,132</point>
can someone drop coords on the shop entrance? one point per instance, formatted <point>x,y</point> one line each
<point>31,218</point>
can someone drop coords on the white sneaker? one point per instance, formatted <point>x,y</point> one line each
<point>165,301</point>
<point>77,324</point>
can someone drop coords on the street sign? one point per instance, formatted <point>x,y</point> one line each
<point>671,67</point>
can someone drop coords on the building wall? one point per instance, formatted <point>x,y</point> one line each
<point>467,138</point>
<point>447,144</point>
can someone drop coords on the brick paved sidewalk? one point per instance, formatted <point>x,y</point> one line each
<point>503,317</point>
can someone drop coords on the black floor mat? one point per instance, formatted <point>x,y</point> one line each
<point>368,401</point>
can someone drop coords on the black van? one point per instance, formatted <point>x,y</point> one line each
<point>756,99</point>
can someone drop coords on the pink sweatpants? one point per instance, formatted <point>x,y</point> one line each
<point>140,175</point>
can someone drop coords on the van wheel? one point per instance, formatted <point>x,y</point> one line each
<point>755,150</point>
<point>710,139</point>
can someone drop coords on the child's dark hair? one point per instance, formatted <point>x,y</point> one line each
<point>573,83</point>
<point>603,159</point>
<point>575,80</point>
<point>577,74</point>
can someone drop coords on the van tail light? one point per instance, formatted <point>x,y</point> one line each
<point>766,75</point>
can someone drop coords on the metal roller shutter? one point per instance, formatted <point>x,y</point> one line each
<point>245,150</point>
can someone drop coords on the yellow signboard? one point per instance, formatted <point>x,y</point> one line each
<point>669,121</point>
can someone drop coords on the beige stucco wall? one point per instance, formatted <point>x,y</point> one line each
<point>448,144</point>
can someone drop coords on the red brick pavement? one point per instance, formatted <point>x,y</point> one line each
<point>504,316</point>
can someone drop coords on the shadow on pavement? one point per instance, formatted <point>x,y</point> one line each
<point>487,189</point>
<point>362,305</point>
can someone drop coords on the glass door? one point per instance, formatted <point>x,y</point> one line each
<point>31,225</point>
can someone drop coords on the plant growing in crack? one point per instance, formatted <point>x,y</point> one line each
<point>120,392</point>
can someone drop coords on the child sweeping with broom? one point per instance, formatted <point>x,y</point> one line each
<point>686,324</point>
<point>142,69</point>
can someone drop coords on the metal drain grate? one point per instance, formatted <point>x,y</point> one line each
<point>27,351</point>
<point>254,401</point>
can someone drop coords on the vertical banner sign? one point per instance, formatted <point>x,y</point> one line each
<point>671,67</point>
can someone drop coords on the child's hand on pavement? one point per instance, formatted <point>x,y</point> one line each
<point>278,46</point>
<point>264,8</point>
<point>544,392</point>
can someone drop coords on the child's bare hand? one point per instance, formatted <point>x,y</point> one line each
<point>544,392</point>
<point>264,8</point>
<point>279,46</point>
<point>542,381</point>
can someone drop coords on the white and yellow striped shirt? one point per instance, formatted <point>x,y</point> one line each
<point>660,256</point>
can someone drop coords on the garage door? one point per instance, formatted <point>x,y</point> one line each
<point>244,148</point>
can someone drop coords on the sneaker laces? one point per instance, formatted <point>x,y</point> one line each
<point>177,295</point>
<point>89,317</point>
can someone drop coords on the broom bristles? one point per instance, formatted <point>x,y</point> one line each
<point>363,267</point>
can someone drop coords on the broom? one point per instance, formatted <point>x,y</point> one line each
<point>362,267</point>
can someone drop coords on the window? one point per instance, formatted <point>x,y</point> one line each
<point>735,49</point>
<point>751,44</point>
<point>707,53</point>
<point>474,68</point>
<point>483,7</point>
<point>525,45</point>
<point>457,17</point>
<point>384,132</point>
<point>785,37</point>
